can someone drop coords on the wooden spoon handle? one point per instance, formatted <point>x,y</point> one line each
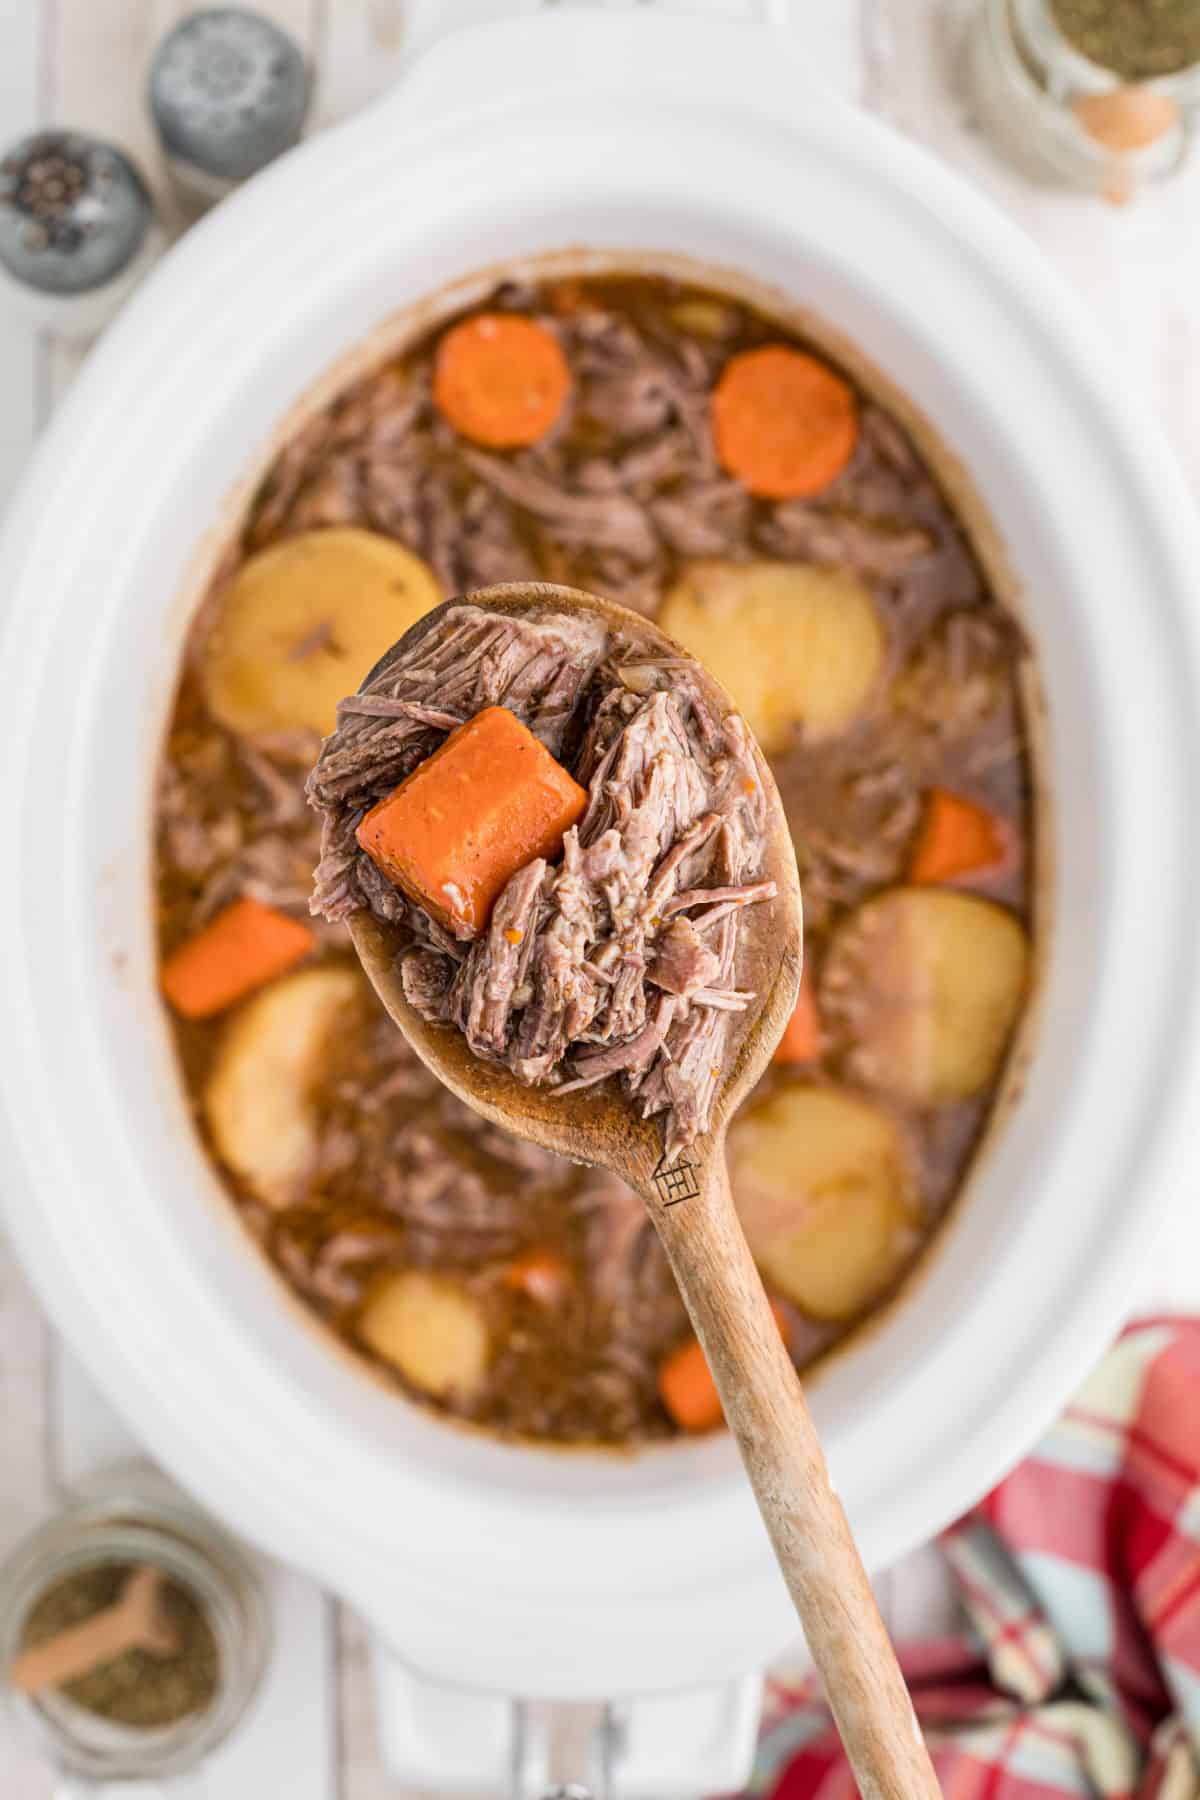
<point>767,1413</point>
<point>77,1650</point>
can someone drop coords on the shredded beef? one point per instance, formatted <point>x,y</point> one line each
<point>598,521</point>
<point>616,498</point>
<point>382,457</point>
<point>591,966</point>
<point>417,696</point>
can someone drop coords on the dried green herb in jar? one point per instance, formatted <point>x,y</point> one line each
<point>134,1688</point>
<point>1137,39</point>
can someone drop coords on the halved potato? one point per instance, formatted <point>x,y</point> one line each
<point>302,622</point>
<point>258,1099</point>
<point>430,1329</point>
<point>924,987</point>
<point>826,1188</point>
<point>794,644</point>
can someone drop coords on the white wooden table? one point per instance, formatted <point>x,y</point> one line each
<point>81,62</point>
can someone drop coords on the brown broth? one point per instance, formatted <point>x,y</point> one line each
<point>403,1177</point>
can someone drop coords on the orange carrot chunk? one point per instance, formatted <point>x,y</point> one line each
<point>541,1275</point>
<point>500,380</point>
<point>244,947</point>
<point>801,1040</point>
<point>783,422</point>
<point>488,801</point>
<point>957,837</point>
<point>686,1387</point>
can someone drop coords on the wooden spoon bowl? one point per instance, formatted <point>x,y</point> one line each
<point>690,1202</point>
<point>599,1125</point>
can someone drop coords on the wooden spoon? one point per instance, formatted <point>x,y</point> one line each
<point>136,1621</point>
<point>692,1209</point>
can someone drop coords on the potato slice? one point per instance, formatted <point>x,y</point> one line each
<point>258,1099</point>
<point>303,621</point>
<point>794,644</point>
<point>704,316</point>
<point>430,1329</point>
<point>924,986</point>
<point>826,1189</point>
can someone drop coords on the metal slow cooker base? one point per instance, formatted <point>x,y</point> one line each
<point>670,1747</point>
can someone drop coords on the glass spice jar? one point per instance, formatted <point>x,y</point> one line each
<point>1045,96</point>
<point>129,1517</point>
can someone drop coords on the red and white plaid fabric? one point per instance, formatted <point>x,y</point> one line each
<point>1079,1672</point>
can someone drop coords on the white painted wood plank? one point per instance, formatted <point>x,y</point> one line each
<point>290,1739</point>
<point>831,32</point>
<point>291,1736</point>
<point>360,49</point>
<point>99,51</point>
<point>19,111</point>
<point>1175,373</point>
<point>24,1459</point>
<point>288,1744</point>
<point>102,53</point>
<point>24,1473</point>
<point>362,1772</point>
<point>85,1433</point>
<point>923,1600</point>
<point>102,49</point>
<point>1171,1279</point>
<point>24,1337</point>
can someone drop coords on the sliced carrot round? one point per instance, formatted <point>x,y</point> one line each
<point>500,380</point>
<point>783,422</point>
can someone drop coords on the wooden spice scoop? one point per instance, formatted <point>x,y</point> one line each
<point>136,1621</point>
<point>692,1209</point>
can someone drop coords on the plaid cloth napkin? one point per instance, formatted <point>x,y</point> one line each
<point>1079,1672</point>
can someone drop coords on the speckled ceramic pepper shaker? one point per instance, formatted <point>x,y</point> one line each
<point>77,230</point>
<point>228,91</point>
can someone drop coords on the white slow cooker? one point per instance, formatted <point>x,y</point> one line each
<point>636,136</point>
